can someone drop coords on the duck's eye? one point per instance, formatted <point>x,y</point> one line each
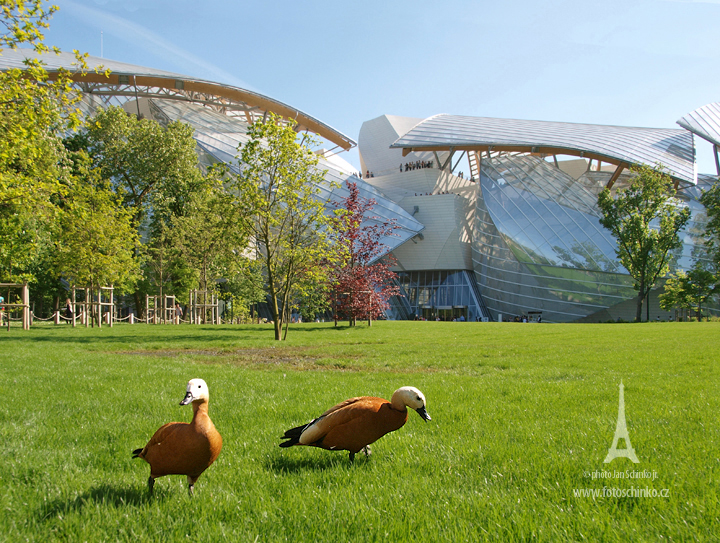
<point>418,399</point>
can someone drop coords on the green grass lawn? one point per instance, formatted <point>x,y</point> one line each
<point>523,417</point>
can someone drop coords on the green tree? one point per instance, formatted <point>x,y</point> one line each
<point>33,112</point>
<point>243,288</point>
<point>156,170</point>
<point>711,200</point>
<point>156,167</point>
<point>688,290</point>
<point>314,299</point>
<point>210,236</point>
<point>279,188</point>
<point>158,257</point>
<point>96,245</point>
<point>676,293</point>
<point>645,220</point>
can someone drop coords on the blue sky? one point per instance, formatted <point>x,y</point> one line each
<point>617,62</point>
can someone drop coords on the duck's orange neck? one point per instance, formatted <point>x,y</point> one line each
<point>200,408</point>
<point>398,405</point>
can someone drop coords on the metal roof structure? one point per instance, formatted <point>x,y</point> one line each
<point>131,82</point>
<point>622,146</point>
<point>704,122</point>
<point>219,136</point>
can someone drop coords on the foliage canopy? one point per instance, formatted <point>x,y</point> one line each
<point>645,220</point>
<point>278,189</point>
<point>362,284</point>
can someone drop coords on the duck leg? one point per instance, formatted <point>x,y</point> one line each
<point>151,484</point>
<point>191,485</point>
<point>352,457</point>
<point>367,451</point>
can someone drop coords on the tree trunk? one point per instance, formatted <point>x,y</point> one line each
<point>139,308</point>
<point>286,312</point>
<point>277,320</point>
<point>369,308</point>
<point>638,309</point>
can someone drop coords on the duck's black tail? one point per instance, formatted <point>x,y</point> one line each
<point>136,453</point>
<point>293,435</point>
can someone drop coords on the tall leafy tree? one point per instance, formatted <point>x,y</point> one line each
<point>155,168</point>
<point>689,290</point>
<point>645,220</point>
<point>243,288</point>
<point>278,188</point>
<point>711,200</point>
<point>96,244</point>
<point>362,283</point>
<point>33,112</point>
<point>210,236</point>
<point>693,289</point>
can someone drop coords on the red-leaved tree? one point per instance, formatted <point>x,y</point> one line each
<point>362,283</point>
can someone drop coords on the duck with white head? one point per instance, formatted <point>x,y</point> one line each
<point>181,448</point>
<point>357,422</point>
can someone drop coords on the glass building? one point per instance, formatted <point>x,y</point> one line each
<point>444,295</point>
<point>529,224</point>
<point>498,217</point>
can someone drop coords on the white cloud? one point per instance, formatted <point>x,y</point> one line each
<point>133,33</point>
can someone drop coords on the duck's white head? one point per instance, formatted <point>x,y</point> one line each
<point>197,389</point>
<point>412,398</point>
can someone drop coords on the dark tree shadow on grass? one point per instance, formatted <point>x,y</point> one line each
<point>332,460</point>
<point>105,494</point>
<point>139,339</point>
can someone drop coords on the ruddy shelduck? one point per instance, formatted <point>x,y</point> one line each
<point>356,423</point>
<point>181,448</point>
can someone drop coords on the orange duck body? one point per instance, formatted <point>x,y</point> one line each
<point>181,448</point>
<point>357,422</point>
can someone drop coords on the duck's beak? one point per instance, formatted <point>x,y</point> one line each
<point>423,413</point>
<point>187,399</point>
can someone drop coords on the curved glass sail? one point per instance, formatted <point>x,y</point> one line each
<point>539,245</point>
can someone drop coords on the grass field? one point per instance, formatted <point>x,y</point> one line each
<point>523,417</point>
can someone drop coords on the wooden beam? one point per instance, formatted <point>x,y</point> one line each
<point>518,149</point>
<point>231,93</point>
<point>615,176</point>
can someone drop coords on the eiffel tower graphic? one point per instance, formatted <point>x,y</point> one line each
<point>621,432</point>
